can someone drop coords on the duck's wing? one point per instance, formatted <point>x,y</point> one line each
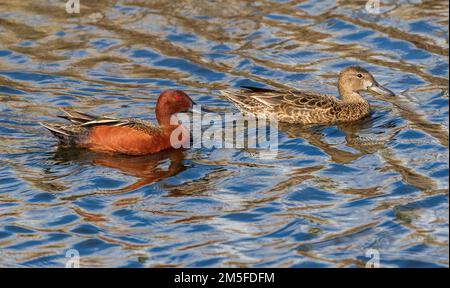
<point>86,121</point>
<point>72,134</point>
<point>241,98</point>
<point>298,99</point>
<point>309,100</point>
<point>257,89</point>
<point>82,118</point>
<point>140,125</point>
<point>136,124</point>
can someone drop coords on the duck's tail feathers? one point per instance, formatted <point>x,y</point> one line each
<point>75,116</point>
<point>66,134</point>
<point>243,100</point>
<point>257,89</point>
<point>237,97</point>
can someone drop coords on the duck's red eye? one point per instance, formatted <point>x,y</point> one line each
<point>178,97</point>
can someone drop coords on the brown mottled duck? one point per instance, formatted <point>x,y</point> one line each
<point>305,107</point>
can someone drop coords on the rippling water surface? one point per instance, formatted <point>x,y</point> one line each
<point>330,194</point>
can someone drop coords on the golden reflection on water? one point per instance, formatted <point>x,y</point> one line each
<point>145,169</point>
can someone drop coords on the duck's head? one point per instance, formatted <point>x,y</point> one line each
<point>172,102</point>
<point>355,79</point>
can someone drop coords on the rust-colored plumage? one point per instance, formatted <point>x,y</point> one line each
<point>304,107</point>
<point>127,136</point>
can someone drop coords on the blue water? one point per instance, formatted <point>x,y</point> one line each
<point>330,194</point>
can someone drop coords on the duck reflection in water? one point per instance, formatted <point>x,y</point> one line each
<point>147,169</point>
<point>355,137</point>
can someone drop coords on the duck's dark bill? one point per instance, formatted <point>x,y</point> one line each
<point>377,88</point>
<point>194,109</point>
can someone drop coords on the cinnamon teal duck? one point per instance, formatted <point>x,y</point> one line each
<point>126,136</point>
<point>305,107</point>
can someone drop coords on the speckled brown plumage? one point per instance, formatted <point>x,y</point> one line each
<point>304,107</point>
